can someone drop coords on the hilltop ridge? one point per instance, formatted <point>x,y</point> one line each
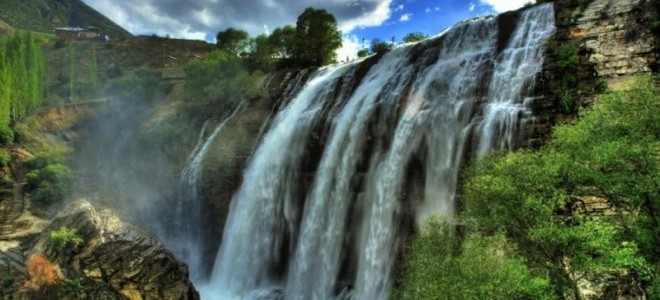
<point>45,15</point>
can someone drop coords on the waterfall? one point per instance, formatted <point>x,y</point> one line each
<point>365,146</point>
<point>186,241</point>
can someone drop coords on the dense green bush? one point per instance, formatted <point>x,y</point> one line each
<point>442,266</point>
<point>50,184</point>
<point>22,71</point>
<point>565,62</point>
<point>143,85</point>
<point>64,237</point>
<point>521,206</point>
<point>612,152</point>
<point>4,158</point>
<point>6,135</point>
<point>217,83</point>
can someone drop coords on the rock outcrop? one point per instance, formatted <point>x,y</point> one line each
<point>616,36</point>
<point>127,259</point>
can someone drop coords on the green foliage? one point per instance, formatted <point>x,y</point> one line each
<point>283,41</point>
<point>442,266</point>
<point>565,62</point>
<point>71,70</point>
<point>218,82</point>
<point>612,151</point>
<point>233,41</point>
<point>260,56</point>
<point>655,23</point>
<point>49,179</point>
<point>49,184</point>
<point>55,155</point>
<point>380,46</point>
<point>142,85</point>
<point>7,285</point>
<point>363,52</point>
<point>312,43</point>
<point>317,38</point>
<point>6,135</point>
<point>4,158</point>
<point>414,37</point>
<point>64,237</point>
<point>22,71</point>
<point>617,144</point>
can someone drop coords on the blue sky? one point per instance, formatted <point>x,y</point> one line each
<point>358,19</point>
<point>429,17</point>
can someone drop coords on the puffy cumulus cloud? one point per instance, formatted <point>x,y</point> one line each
<point>349,48</point>
<point>405,17</point>
<point>204,18</point>
<point>505,5</point>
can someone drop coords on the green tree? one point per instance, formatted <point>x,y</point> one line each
<point>380,46</point>
<point>64,237</point>
<point>5,92</point>
<point>217,83</point>
<point>22,71</point>
<point>282,41</point>
<point>414,37</point>
<point>233,41</point>
<point>49,184</point>
<point>611,152</point>
<point>441,265</point>
<point>71,70</point>
<point>261,54</point>
<point>363,52</point>
<point>317,38</point>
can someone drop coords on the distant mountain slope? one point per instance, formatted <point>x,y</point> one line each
<point>44,15</point>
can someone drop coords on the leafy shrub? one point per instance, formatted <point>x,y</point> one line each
<point>612,152</point>
<point>142,85</point>
<point>6,135</point>
<point>217,83</point>
<point>55,155</point>
<point>41,272</point>
<point>4,158</point>
<point>64,237</point>
<point>441,266</point>
<point>565,61</point>
<point>49,184</point>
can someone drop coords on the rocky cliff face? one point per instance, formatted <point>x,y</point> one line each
<point>616,37</point>
<point>614,44</point>
<point>117,254</point>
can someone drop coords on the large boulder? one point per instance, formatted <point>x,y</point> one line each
<point>126,258</point>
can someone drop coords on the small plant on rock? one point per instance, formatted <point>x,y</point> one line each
<point>64,237</point>
<point>41,273</point>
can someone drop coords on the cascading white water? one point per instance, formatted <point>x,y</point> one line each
<point>434,102</point>
<point>264,209</point>
<point>187,238</point>
<point>513,81</point>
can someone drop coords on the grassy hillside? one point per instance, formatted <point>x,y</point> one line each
<point>44,15</point>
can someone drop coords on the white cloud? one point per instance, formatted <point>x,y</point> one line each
<point>349,48</point>
<point>472,6</point>
<point>428,10</point>
<point>504,5</point>
<point>405,17</point>
<point>194,18</point>
<point>398,8</point>
<point>374,18</point>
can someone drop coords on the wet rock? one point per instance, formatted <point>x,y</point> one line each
<point>127,259</point>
